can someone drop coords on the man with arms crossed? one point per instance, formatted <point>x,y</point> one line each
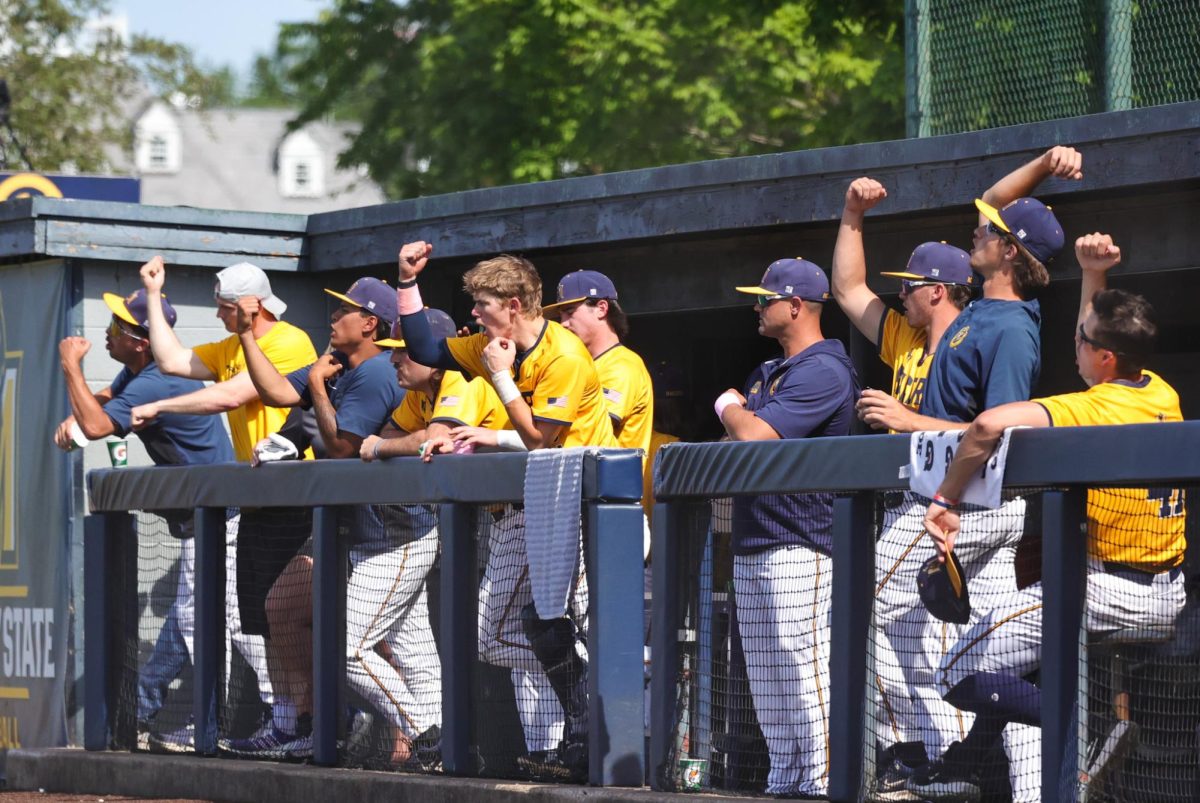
<point>782,543</point>
<point>1135,536</point>
<point>223,361</point>
<point>548,384</point>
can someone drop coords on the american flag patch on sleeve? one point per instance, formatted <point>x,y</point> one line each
<point>556,401</point>
<point>449,401</point>
<point>613,396</point>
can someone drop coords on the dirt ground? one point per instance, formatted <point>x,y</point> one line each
<point>55,797</point>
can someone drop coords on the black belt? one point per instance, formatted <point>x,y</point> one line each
<point>1138,575</point>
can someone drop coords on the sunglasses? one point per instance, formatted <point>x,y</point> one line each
<point>117,327</point>
<point>765,300</point>
<point>908,285</point>
<point>1096,344</point>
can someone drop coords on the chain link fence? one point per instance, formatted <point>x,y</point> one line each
<point>976,64</point>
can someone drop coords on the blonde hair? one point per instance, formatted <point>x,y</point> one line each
<point>505,277</point>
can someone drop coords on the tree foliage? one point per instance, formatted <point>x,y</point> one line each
<point>454,94</point>
<point>74,86</point>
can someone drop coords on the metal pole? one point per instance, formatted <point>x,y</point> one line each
<point>329,640</point>
<point>209,633</point>
<point>460,634</point>
<point>1064,549</point>
<point>1118,55</point>
<point>853,586</point>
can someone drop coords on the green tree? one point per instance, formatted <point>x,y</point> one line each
<point>454,94</point>
<point>72,85</point>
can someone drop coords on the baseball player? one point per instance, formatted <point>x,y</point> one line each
<point>781,543</point>
<point>935,286</point>
<point>989,355</point>
<point>408,687</point>
<point>587,305</point>
<point>288,348</point>
<point>1135,536</point>
<point>548,384</point>
<point>352,392</point>
<point>172,440</point>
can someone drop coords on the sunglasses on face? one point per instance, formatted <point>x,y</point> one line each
<point>117,327</point>
<point>765,300</point>
<point>908,285</point>
<point>1096,344</point>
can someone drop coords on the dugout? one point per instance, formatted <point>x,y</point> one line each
<point>675,240</point>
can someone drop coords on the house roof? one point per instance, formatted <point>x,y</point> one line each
<point>229,159</point>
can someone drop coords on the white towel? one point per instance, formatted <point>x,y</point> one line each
<point>553,484</point>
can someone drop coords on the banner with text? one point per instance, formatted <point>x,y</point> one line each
<point>34,500</point>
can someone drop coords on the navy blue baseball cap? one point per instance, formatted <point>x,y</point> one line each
<point>1032,224</point>
<point>441,324</point>
<point>371,295</point>
<point>937,262</point>
<point>133,308</point>
<point>943,589</point>
<point>792,278</point>
<point>582,285</point>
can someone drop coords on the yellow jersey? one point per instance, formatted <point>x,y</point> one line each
<point>288,348</point>
<point>557,379</point>
<point>657,441</point>
<point>629,394</point>
<point>903,348</point>
<point>1138,527</point>
<point>458,403</point>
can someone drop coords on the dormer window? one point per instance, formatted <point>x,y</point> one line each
<point>301,167</point>
<point>158,146</point>
<point>158,152</point>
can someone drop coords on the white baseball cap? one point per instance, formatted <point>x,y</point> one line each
<point>244,279</point>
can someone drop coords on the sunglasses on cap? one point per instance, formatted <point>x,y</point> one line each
<point>117,327</point>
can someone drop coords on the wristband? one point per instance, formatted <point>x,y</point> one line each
<point>724,400</point>
<point>375,449</point>
<point>408,299</point>
<point>509,440</point>
<point>505,387</point>
<point>404,285</point>
<point>942,501</point>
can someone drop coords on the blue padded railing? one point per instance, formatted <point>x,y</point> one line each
<point>1068,460</point>
<point>612,488</point>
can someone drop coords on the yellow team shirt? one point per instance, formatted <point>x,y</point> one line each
<point>657,441</point>
<point>1138,527</point>
<point>459,403</point>
<point>903,349</point>
<point>558,381</point>
<point>288,348</point>
<point>629,394</point>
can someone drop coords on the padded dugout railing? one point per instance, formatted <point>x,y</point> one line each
<point>612,518</point>
<point>1067,460</point>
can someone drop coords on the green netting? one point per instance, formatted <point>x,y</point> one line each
<point>978,64</point>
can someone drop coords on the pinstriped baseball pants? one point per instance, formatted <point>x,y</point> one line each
<point>783,598</point>
<point>386,600</point>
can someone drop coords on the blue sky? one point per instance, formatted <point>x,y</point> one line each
<point>220,32</point>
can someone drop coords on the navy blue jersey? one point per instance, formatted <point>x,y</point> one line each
<point>990,355</point>
<point>364,397</point>
<point>171,439</point>
<point>810,395</point>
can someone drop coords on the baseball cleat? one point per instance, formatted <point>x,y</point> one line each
<point>182,740</point>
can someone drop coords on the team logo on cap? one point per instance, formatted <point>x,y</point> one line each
<point>959,337</point>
